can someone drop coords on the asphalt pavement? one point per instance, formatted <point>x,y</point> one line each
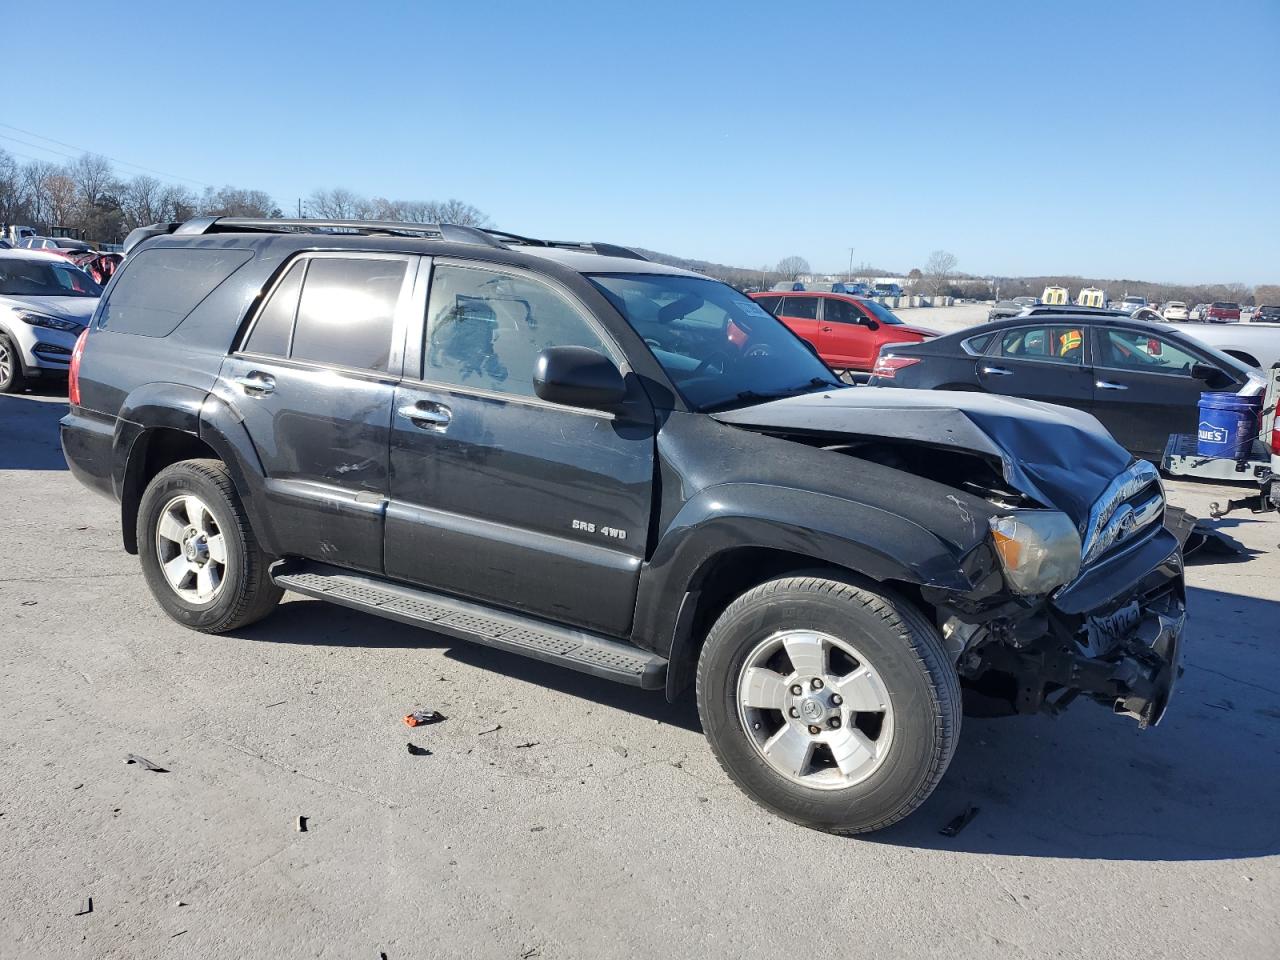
<point>559,816</point>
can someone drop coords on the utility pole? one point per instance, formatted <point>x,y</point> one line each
<point>849,275</point>
<point>299,208</point>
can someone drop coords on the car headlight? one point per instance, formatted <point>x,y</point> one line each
<point>1039,549</point>
<point>51,323</point>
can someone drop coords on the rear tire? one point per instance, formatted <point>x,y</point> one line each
<point>12,379</point>
<point>852,766</point>
<point>199,554</point>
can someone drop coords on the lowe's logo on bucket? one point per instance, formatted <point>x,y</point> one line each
<point>1211,433</point>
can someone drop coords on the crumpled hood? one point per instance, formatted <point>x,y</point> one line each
<point>77,309</point>
<point>1059,456</point>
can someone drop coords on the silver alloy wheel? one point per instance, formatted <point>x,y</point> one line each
<point>6,363</point>
<point>192,549</point>
<point>815,709</point>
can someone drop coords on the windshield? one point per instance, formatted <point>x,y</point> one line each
<point>20,277</point>
<point>881,312</point>
<point>720,348</point>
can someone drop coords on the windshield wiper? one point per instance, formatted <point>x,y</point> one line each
<point>754,396</point>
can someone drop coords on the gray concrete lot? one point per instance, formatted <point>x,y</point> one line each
<point>593,822</point>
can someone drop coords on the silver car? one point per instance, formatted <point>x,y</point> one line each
<point>45,301</point>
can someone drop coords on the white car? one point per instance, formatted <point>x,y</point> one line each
<point>45,301</point>
<point>1256,344</point>
<point>1175,310</point>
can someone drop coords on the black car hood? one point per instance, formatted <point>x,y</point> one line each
<point>1056,455</point>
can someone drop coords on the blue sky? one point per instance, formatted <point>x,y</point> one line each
<point>1117,139</point>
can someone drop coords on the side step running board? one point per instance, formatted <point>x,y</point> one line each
<point>566,646</point>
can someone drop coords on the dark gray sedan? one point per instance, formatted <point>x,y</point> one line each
<point>1142,382</point>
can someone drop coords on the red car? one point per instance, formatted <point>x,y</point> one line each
<point>1223,312</point>
<point>847,331</point>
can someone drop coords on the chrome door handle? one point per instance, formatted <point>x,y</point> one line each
<point>257,384</point>
<point>1108,385</point>
<point>825,329</point>
<point>999,371</point>
<point>428,415</point>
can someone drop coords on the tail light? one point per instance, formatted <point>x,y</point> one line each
<point>887,365</point>
<point>1275,432</point>
<point>73,375</point>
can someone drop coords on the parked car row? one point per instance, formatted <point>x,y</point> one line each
<point>45,302</point>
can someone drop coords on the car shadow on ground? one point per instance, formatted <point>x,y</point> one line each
<point>1201,786</point>
<point>324,624</point>
<point>29,430</point>
<point>1087,785</point>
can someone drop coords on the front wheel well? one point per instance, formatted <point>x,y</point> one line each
<point>151,452</point>
<point>727,576</point>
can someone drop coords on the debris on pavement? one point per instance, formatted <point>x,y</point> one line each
<point>278,703</point>
<point>417,751</point>
<point>420,718</point>
<point>178,934</point>
<point>494,729</point>
<point>620,751</point>
<point>302,824</point>
<point>85,907</point>
<point>959,821</point>
<point>526,744</point>
<point>144,763</point>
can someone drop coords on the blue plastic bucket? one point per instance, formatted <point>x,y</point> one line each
<point>1228,425</point>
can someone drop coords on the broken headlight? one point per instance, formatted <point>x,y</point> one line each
<point>1039,549</point>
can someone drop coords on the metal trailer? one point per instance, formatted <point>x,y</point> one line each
<point>1260,467</point>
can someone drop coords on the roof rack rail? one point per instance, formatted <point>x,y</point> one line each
<point>428,231</point>
<point>603,249</point>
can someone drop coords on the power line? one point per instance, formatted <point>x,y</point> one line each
<point>123,163</point>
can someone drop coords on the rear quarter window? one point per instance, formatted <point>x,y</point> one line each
<point>159,288</point>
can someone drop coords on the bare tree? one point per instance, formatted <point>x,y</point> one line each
<point>938,271</point>
<point>792,268</point>
<point>11,192</point>
<point>237,202</point>
<point>92,176</point>
<point>1267,294</point>
<point>455,211</point>
<point>142,200</point>
<point>60,190</point>
<point>336,204</point>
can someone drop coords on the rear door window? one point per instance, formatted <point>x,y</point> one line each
<point>1051,344</point>
<point>769,303</point>
<point>346,313</point>
<point>800,308</point>
<point>274,327</point>
<point>160,287</point>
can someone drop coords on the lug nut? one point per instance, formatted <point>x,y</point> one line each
<point>815,730</point>
<point>817,683</point>
<point>796,689</point>
<point>837,699</point>
<point>835,723</point>
<point>794,712</point>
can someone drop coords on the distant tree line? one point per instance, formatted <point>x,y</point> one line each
<point>87,197</point>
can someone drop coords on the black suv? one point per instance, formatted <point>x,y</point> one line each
<point>568,452</point>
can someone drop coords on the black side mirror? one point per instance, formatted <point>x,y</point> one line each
<point>1210,374</point>
<point>578,377</point>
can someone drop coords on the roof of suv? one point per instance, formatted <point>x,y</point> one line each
<point>424,238</point>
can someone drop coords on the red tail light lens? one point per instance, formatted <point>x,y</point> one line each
<point>887,365</point>
<point>73,375</point>
<point>1275,432</point>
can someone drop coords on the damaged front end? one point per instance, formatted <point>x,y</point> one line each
<point>1077,589</point>
<point>1112,634</point>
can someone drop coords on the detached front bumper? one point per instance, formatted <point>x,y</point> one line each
<point>1114,636</point>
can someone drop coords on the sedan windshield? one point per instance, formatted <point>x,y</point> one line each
<point>22,277</point>
<point>719,348</point>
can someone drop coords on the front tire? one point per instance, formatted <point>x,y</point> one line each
<point>12,379</point>
<point>199,553</point>
<point>833,705</point>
